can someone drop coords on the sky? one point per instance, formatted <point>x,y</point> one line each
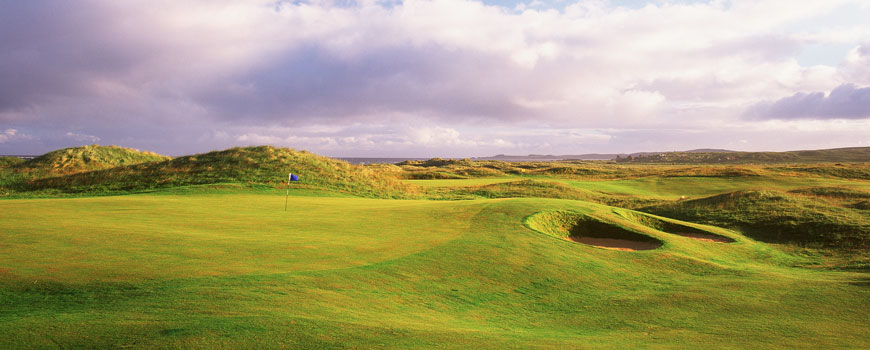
<point>443,78</point>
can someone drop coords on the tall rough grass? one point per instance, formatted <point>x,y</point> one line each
<point>87,158</point>
<point>264,165</point>
<point>780,217</point>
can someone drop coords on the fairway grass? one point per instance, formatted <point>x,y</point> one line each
<point>672,188</point>
<point>234,270</point>
<point>214,234</point>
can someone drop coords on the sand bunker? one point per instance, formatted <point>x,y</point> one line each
<point>584,229</point>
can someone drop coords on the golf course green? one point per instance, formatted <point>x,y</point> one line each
<point>225,265</point>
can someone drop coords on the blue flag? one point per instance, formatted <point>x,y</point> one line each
<point>294,177</point>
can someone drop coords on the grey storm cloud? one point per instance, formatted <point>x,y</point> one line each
<point>94,61</point>
<point>844,102</point>
<point>52,49</point>
<point>310,82</point>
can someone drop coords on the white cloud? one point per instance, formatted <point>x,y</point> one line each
<point>13,135</point>
<point>434,136</point>
<point>82,137</point>
<point>856,66</point>
<point>7,134</point>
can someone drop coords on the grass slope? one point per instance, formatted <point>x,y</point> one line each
<point>818,215</point>
<point>448,169</point>
<point>6,162</point>
<point>235,271</point>
<point>15,172</point>
<point>86,158</point>
<point>262,165</point>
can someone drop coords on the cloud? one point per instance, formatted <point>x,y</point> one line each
<point>844,102</point>
<point>7,134</point>
<point>13,135</point>
<point>82,137</point>
<point>856,66</point>
<point>452,60</point>
<point>370,139</point>
<point>169,75</point>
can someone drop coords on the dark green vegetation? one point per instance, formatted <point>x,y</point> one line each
<point>199,253</point>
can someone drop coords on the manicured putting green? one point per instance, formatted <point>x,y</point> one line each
<point>213,235</point>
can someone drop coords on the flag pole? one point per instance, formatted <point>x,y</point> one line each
<point>288,191</point>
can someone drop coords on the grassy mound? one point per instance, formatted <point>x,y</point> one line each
<point>676,228</point>
<point>834,193</point>
<point>437,168</point>
<point>263,165</point>
<point>86,158</point>
<point>523,188</point>
<point>858,171</point>
<point>589,230</point>
<point>779,217</point>
<point>541,189</point>
<point>10,161</point>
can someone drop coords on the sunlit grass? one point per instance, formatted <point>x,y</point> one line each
<point>199,252</point>
<point>213,270</point>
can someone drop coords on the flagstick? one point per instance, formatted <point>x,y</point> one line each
<point>285,197</point>
<point>289,177</point>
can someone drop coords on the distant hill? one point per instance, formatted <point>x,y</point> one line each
<point>549,157</point>
<point>710,150</point>
<point>85,158</point>
<point>10,161</point>
<point>585,156</point>
<point>251,165</point>
<point>851,154</point>
<point>707,156</point>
